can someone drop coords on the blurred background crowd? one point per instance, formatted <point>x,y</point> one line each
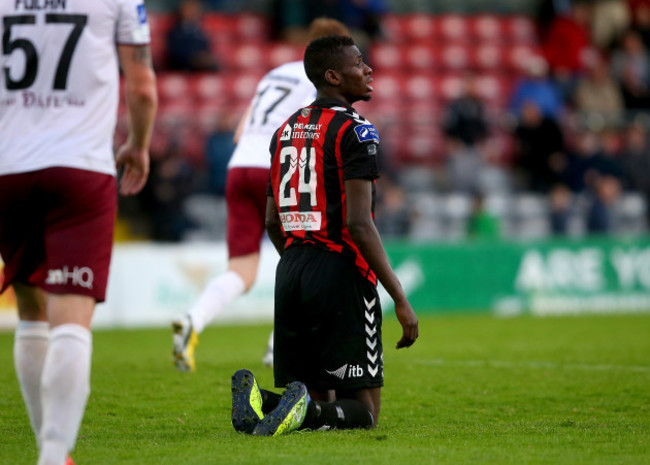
<point>513,119</point>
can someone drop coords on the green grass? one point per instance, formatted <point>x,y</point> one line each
<point>473,390</point>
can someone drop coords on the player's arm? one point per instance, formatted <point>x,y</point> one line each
<point>365,235</point>
<point>240,125</point>
<point>141,101</point>
<point>273,225</point>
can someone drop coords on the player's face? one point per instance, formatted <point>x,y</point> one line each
<point>356,76</point>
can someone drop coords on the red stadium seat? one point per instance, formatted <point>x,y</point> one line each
<point>281,53</point>
<point>394,27</point>
<point>386,56</point>
<point>488,57</point>
<point>419,87</point>
<point>486,28</point>
<point>519,55</point>
<point>455,57</point>
<point>421,145</point>
<point>419,27</point>
<point>173,87</point>
<point>242,87</point>
<point>494,89</point>
<point>450,87</point>
<point>453,28</point>
<point>209,88</point>
<point>249,56</point>
<point>421,56</point>
<point>250,27</point>
<point>388,86</point>
<point>520,30</point>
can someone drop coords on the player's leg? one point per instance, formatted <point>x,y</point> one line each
<point>21,247</point>
<point>30,348</point>
<point>66,374</point>
<point>246,200</point>
<point>328,349</point>
<point>81,212</point>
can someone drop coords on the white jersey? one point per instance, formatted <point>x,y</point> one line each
<point>59,80</point>
<point>280,93</point>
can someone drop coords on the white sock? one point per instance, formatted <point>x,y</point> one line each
<point>65,388</point>
<point>219,292</point>
<point>30,349</point>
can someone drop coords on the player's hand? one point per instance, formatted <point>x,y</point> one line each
<point>135,165</point>
<point>409,322</point>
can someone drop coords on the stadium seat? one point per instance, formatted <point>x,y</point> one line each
<point>519,55</point>
<point>453,28</point>
<point>419,27</point>
<point>388,86</point>
<point>386,56</point>
<point>455,57</point>
<point>280,53</point>
<point>209,87</point>
<point>420,56</point>
<point>494,88</point>
<point>419,87</point>
<point>250,27</point>
<point>488,57</point>
<point>520,30</point>
<point>450,86</point>
<point>173,87</point>
<point>486,28</point>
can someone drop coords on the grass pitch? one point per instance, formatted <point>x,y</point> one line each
<point>472,390</point>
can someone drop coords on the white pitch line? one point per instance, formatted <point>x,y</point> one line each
<point>533,364</point>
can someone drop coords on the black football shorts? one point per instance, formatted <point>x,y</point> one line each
<point>327,322</point>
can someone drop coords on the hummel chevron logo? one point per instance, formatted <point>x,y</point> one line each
<point>370,317</point>
<point>370,304</point>
<point>373,371</point>
<point>372,357</point>
<point>339,372</point>
<point>371,344</point>
<point>371,331</point>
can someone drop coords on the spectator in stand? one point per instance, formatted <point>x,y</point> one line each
<point>581,158</point>
<point>547,11</point>
<point>170,183</point>
<point>536,86</point>
<point>604,193</point>
<point>466,128</point>
<point>561,202</point>
<point>188,46</point>
<point>566,46</point>
<point>635,160</point>
<point>392,217</point>
<point>607,161</point>
<point>598,94</point>
<point>539,149</point>
<point>630,66</point>
<point>641,22</point>
<point>610,19</point>
<point>482,223</point>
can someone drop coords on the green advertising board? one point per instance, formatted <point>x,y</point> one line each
<point>598,275</point>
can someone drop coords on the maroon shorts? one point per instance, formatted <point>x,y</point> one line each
<point>246,199</point>
<point>56,230</point>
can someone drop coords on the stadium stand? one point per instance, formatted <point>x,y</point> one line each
<point>419,64</point>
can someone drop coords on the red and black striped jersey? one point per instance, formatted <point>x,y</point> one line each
<point>312,155</point>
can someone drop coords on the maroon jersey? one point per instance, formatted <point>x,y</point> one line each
<point>312,155</point>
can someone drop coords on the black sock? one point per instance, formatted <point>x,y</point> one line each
<point>341,414</point>
<point>270,400</point>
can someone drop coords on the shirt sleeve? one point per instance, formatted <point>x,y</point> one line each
<point>359,147</point>
<point>133,25</point>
